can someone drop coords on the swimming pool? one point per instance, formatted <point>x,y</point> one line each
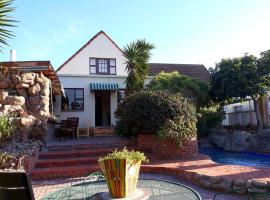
<point>243,158</point>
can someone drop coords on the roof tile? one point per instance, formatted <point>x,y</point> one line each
<point>196,71</point>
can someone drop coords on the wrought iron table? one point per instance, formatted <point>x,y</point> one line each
<point>95,183</point>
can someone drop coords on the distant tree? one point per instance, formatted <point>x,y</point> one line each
<point>242,77</point>
<point>137,55</point>
<point>193,89</point>
<point>5,22</point>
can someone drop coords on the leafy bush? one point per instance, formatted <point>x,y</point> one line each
<point>209,118</point>
<point>156,113</point>
<point>7,127</point>
<point>193,89</point>
<point>125,154</point>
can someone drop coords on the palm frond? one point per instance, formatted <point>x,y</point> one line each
<point>137,55</point>
<point>6,22</point>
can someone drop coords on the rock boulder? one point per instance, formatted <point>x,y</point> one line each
<point>27,121</point>
<point>263,140</point>
<point>3,95</point>
<point>34,90</point>
<point>4,84</point>
<point>28,77</point>
<point>21,92</point>
<point>240,141</point>
<point>235,142</point>
<point>15,79</point>
<point>22,85</point>
<point>219,137</point>
<point>35,100</point>
<point>15,100</point>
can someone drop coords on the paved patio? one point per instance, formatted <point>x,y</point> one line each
<point>42,188</point>
<point>183,170</point>
<point>203,165</point>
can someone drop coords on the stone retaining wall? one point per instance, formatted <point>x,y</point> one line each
<point>167,148</point>
<point>25,96</point>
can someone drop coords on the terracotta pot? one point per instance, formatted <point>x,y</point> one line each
<point>121,176</point>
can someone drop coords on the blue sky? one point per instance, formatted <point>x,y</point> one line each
<point>183,31</point>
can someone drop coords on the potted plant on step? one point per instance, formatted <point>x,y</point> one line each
<point>121,170</point>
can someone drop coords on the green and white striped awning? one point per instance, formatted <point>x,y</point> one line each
<point>103,86</point>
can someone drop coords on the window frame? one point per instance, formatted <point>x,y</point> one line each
<point>120,96</point>
<point>75,99</point>
<point>109,66</point>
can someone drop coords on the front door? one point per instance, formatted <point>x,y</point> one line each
<point>103,108</point>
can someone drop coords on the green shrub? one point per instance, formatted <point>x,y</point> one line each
<point>125,154</point>
<point>209,118</point>
<point>7,127</point>
<point>156,113</point>
<point>178,129</point>
<point>193,89</point>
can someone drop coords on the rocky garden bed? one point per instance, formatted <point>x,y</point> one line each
<point>238,141</point>
<point>19,155</point>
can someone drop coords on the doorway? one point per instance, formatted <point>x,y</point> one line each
<point>102,108</point>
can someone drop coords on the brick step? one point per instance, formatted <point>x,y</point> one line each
<point>48,163</point>
<point>103,131</point>
<point>63,172</point>
<point>87,146</point>
<point>74,153</point>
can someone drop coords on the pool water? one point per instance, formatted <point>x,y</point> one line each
<point>243,158</point>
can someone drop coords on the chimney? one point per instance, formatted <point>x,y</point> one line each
<point>12,55</point>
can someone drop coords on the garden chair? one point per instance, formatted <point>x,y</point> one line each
<point>63,130</point>
<point>83,131</point>
<point>15,185</point>
<point>72,124</point>
<point>254,193</point>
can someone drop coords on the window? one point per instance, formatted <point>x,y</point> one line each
<point>112,66</point>
<point>73,100</point>
<point>93,66</point>
<point>120,95</point>
<point>102,66</point>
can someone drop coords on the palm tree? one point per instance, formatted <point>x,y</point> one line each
<point>137,55</point>
<point>5,22</point>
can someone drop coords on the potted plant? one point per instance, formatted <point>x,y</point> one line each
<point>121,170</point>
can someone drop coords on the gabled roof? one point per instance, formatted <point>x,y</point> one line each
<point>192,70</point>
<point>88,43</point>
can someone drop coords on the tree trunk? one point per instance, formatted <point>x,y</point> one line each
<point>258,114</point>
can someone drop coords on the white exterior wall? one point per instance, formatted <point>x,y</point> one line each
<point>87,116</point>
<point>100,47</point>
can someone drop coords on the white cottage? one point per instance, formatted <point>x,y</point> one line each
<point>94,81</point>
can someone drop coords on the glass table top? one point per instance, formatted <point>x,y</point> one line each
<point>159,189</point>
